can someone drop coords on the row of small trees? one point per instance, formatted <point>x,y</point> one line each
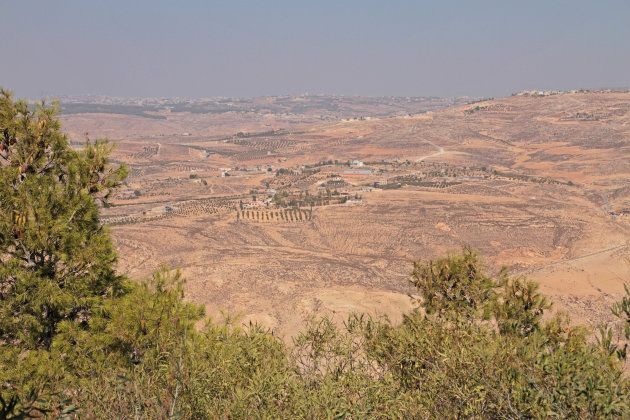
<point>209,206</point>
<point>283,215</point>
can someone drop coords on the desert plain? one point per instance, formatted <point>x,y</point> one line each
<point>284,208</point>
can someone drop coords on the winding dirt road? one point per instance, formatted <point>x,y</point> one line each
<point>601,251</point>
<point>440,149</point>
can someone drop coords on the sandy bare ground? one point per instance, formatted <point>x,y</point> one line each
<point>541,185</point>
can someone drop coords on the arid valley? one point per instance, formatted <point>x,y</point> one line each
<point>284,208</point>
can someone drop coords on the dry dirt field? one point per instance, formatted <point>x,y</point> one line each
<point>538,183</point>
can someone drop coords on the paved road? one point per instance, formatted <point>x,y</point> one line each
<point>601,251</point>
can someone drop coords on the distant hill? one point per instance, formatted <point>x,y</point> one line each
<point>325,106</point>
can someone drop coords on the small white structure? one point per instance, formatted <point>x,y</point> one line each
<point>357,163</point>
<point>254,204</point>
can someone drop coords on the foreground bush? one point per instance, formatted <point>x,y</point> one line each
<point>143,357</point>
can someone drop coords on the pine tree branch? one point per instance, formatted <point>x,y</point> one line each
<point>179,369</point>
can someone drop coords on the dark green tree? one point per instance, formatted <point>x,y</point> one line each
<point>455,286</point>
<point>56,260</point>
<point>519,306</point>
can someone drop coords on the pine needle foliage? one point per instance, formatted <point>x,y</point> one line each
<point>57,261</point>
<point>455,286</point>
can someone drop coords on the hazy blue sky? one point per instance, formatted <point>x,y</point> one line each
<point>251,48</point>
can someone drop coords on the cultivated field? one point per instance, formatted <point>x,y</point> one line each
<point>282,215</point>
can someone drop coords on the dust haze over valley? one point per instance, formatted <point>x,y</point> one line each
<point>283,208</point>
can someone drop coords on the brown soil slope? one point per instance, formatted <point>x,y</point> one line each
<point>535,183</point>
